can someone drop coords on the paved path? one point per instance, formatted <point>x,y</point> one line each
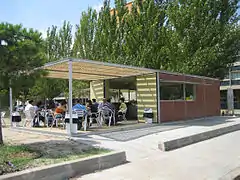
<point>206,160</point>
<point>200,125</point>
<point>209,159</point>
<point>146,145</point>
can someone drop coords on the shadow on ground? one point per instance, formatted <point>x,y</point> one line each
<point>208,121</point>
<point>127,133</point>
<point>138,133</point>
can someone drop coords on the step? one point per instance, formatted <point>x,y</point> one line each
<point>186,136</point>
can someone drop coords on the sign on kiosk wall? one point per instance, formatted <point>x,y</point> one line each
<point>230,99</point>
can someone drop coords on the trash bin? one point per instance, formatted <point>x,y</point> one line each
<point>74,125</point>
<point>16,119</point>
<point>148,115</point>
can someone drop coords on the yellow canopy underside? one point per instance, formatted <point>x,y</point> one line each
<point>92,70</point>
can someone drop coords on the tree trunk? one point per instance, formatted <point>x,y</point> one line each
<point>1,135</point>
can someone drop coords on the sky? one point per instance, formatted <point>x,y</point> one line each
<point>41,14</point>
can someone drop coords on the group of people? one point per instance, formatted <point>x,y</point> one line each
<point>35,109</point>
<point>92,107</point>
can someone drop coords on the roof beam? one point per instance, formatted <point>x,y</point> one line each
<point>78,72</point>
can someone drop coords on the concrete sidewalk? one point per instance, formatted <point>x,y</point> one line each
<point>143,146</point>
<point>200,125</point>
<point>211,159</point>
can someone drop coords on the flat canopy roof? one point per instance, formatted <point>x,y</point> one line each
<point>92,70</point>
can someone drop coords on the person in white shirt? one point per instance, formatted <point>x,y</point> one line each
<point>31,112</point>
<point>29,105</point>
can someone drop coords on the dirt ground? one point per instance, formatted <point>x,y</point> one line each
<point>41,150</point>
<point>51,145</point>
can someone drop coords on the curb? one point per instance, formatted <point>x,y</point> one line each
<point>188,140</point>
<point>66,170</point>
<point>232,175</point>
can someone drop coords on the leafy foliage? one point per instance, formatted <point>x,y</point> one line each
<point>58,44</point>
<point>21,51</point>
<point>190,36</point>
<point>206,36</point>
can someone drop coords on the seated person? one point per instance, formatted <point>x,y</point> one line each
<point>61,109</point>
<point>38,117</point>
<point>89,105</point>
<point>50,117</point>
<point>89,111</point>
<point>94,106</point>
<point>79,106</point>
<point>107,104</point>
<point>122,108</point>
<point>51,105</point>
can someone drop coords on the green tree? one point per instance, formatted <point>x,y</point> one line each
<point>190,36</point>
<point>205,36</point>
<point>21,50</point>
<point>146,36</point>
<point>58,44</point>
<point>80,88</point>
<point>84,46</point>
<point>45,88</point>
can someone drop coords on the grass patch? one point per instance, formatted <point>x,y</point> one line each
<point>47,159</point>
<point>15,157</point>
<point>19,157</point>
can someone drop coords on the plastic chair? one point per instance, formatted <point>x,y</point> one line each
<point>49,117</point>
<point>2,118</point>
<point>99,118</point>
<point>57,118</point>
<point>108,114</point>
<point>81,114</point>
<point>93,116</point>
<point>124,112</point>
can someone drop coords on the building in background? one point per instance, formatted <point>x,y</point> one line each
<point>128,6</point>
<point>231,81</point>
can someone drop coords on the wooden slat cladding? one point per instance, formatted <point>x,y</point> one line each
<point>90,70</point>
<point>96,90</point>
<point>146,95</point>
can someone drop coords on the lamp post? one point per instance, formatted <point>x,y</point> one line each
<point>4,43</point>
